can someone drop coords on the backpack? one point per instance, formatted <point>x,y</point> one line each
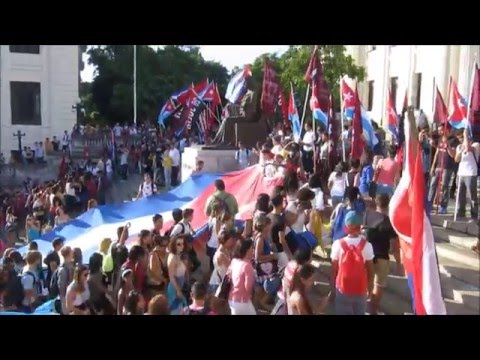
<point>352,274</point>
<point>17,292</point>
<point>225,286</point>
<point>220,204</point>
<point>54,289</point>
<point>169,231</point>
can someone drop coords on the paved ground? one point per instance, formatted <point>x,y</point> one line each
<point>459,277</point>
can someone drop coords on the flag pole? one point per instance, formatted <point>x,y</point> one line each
<point>472,78</point>
<point>342,119</point>
<point>204,103</point>
<point>304,108</point>
<point>442,165</point>
<point>135,84</point>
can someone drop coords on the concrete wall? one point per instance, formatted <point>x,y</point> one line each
<point>436,64</point>
<point>56,68</point>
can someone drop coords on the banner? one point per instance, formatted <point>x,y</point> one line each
<point>270,89</point>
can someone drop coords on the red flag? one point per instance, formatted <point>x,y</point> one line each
<point>409,219</point>
<point>217,100</point>
<point>284,108</point>
<point>201,87</point>
<point>475,95</point>
<point>320,89</point>
<point>270,88</point>
<point>357,139</point>
<point>440,113</point>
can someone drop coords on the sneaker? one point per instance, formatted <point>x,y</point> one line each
<point>442,211</point>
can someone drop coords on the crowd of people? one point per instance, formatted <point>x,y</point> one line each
<point>257,266</point>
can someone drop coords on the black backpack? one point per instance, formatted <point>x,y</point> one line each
<point>54,289</point>
<point>17,292</point>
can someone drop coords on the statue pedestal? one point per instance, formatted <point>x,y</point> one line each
<point>215,160</point>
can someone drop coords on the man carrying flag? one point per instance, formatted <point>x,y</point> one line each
<point>409,219</point>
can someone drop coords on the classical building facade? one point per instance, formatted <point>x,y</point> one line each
<point>412,68</point>
<point>38,87</point>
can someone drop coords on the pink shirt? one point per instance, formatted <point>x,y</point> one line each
<point>243,280</point>
<point>388,171</point>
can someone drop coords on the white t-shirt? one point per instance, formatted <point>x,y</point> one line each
<point>69,189</point>
<point>29,282</point>
<point>324,150</point>
<point>38,152</point>
<point>467,165</point>
<point>318,203</point>
<point>277,149</point>
<point>147,189</point>
<point>337,250</point>
<point>177,229</point>
<point>117,130</point>
<point>108,166</point>
<point>213,241</point>
<point>124,158</point>
<point>308,138</point>
<point>338,187</point>
<point>65,140</point>
<point>175,155</point>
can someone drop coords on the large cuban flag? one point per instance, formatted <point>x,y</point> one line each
<point>87,230</point>
<point>349,107</point>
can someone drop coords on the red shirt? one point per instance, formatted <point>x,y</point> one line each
<point>139,275</point>
<point>91,189</point>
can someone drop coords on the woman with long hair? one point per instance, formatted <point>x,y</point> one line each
<point>32,228</point>
<point>266,262</point>
<point>291,185</point>
<point>157,276</point>
<point>337,184</point>
<point>11,227</point>
<point>78,293</point>
<point>55,204</point>
<point>145,240</point>
<point>297,302</point>
<point>263,204</point>
<point>222,258</point>
<point>126,286</point>
<point>242,276</point>
<point>61,216</point>
<point>177,272</point>
<point>134,303</point>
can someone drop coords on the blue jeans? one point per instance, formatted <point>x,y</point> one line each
<point>384,189</point>
<point>350,304</point>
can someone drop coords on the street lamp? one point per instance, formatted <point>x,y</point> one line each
<point>78,107</point>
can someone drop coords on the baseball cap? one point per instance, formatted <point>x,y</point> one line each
<point>353,218</point>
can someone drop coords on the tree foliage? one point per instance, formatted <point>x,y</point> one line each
<point>292,65</point>
<point>160,73</point>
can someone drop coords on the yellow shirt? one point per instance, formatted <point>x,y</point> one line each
<point>167,161</point>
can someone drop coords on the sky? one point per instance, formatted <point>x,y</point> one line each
<point>228,55</point>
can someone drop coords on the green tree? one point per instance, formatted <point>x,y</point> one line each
<point>292,65</point>
<point>160,73</point>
